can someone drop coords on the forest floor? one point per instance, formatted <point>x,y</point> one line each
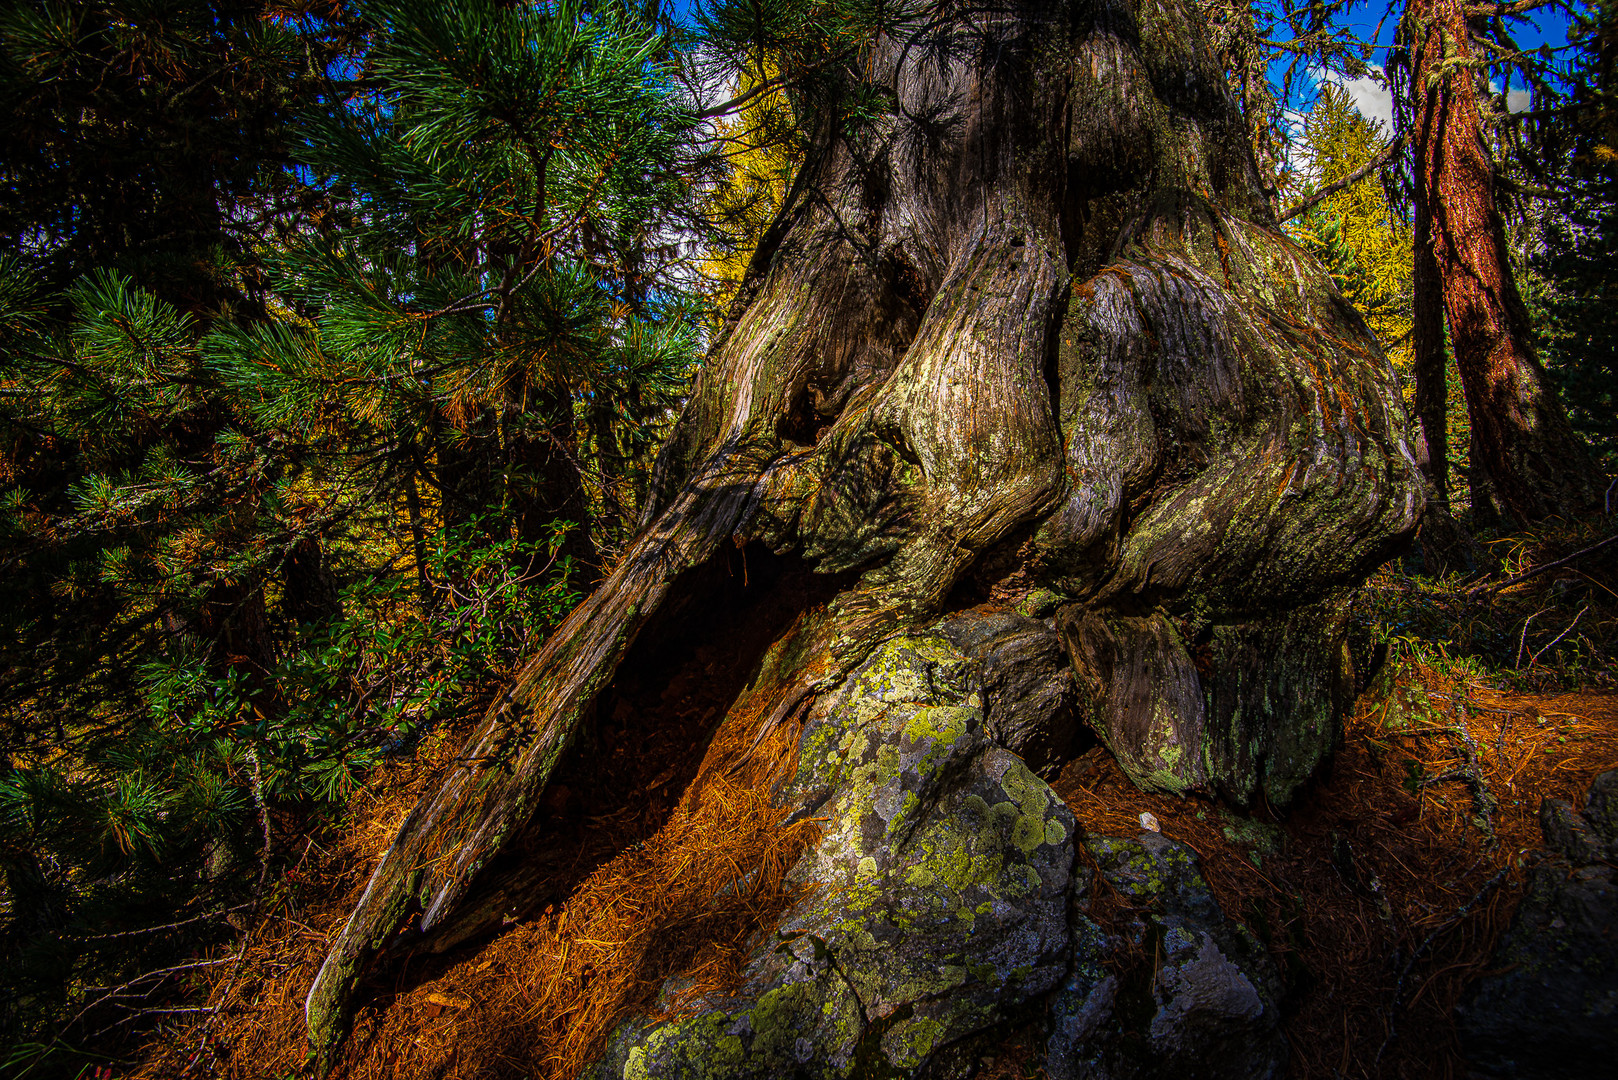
<point>1384,889</point>
<point>1381,891</point>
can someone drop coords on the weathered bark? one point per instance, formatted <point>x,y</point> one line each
<point>1431,357</point>
<point>1445,545</point>
<point>1535,465</point>
<point>1038,316</point>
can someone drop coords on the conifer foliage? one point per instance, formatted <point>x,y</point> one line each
<point>283,489</point>
<point>513,173</point>
<point>1577,266</point>
<point>152,136</point>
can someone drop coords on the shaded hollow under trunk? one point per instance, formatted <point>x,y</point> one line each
<point>1035,322</point>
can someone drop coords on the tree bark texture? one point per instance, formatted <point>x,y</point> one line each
<point>1534,463</point>
<point>1035,323</point>
<point>1445,545</point>
<point>1431,356</point>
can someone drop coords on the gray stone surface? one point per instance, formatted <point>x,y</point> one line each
<point>1210,1009</point>
<point>1552,1008</point>
<point>948,907</point>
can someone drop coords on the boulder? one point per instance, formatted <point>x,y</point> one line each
<point>1551,1009</point>
<point>1210,1008</point>
<point>940,900</point>
<point>943,905</point>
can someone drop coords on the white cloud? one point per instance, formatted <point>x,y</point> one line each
<point>1374,101</point>
<point>1371,98</point>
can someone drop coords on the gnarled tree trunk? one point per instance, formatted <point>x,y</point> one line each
<point>1034,330</point>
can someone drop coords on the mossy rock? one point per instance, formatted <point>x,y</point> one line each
<point>943,892</point>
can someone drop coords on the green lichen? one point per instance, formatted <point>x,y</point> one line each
<point>914,1042</point>
<point>966,830</point>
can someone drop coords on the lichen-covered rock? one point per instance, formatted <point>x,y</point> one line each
<point>947,902</point>
<point>942,892</point>
<point>1027,684</point>
<point>1552,1009</point>
<point>1210,1010</point>
<point>1083,1011</point>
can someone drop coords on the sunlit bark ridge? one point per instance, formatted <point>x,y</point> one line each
<point>1036,325</point>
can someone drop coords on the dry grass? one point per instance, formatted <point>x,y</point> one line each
<point>1378,948</point>
<point>542,998</point>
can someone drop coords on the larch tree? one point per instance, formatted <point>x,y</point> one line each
<point>1527,462</point>
<point>1025,327</point>
<point>760,148</point>
<point>1354,230</point>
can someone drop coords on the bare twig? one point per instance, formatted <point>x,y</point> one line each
<point>1522,638</point>
<point>1535,658</point>
<point>115,992</point>
<point>157,929</point>
<point>1517,579</point>
<point>1310,202</point>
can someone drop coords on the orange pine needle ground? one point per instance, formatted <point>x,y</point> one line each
<point>541,999</point>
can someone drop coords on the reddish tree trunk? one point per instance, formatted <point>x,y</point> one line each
<point>1444,544</point>
<point>1522,442</point>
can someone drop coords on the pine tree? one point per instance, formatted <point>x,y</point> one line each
<point>492,328</point>
<point>1527,462</point>
<point>1577,268</point>
<point>281,497</point>
<point>1026,320</point>
<point>153,138</point>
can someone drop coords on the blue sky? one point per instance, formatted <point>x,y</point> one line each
<point>1381,18</point>
<point>1548,27</point>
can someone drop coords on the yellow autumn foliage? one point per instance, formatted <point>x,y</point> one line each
<point>761,148</point>
<point>1364,244</point>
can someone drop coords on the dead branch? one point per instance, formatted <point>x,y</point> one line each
<point>1517,579</point>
